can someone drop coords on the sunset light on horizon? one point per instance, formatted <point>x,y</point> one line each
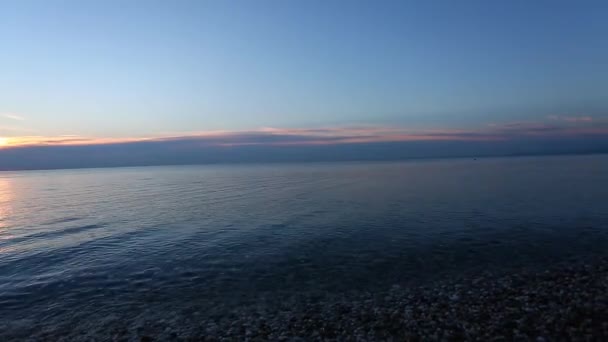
<point>155,77</point>
<point>303,170</point>
<point>551,127</point>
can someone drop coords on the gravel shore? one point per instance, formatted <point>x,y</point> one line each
<point>568,302</point>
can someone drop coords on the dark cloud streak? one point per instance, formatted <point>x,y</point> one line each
<point>192,151</point>
<point>302,145</point>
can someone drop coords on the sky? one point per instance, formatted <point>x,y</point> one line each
<point>296,74</point>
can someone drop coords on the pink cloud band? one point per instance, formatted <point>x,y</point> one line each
<point>557,127</point>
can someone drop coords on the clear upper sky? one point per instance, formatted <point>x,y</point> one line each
<point>119,69</point>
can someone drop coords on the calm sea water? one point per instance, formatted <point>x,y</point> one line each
<point>126,239</point>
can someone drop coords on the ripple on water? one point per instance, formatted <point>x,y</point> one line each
<point>129,239</point>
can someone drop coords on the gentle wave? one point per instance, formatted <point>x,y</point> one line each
<point>103,241</point>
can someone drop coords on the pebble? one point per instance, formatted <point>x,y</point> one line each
<point>568,302</point>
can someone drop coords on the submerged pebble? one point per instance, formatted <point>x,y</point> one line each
<point>569,302</point>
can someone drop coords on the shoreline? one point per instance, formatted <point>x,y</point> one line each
<point>568,301</point>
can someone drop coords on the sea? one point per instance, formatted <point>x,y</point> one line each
<point>87,244</point>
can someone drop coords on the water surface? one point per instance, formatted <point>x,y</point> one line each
<point>105,241</point>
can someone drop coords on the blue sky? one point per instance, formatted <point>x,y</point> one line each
<point>125,68</point>
<point>146,69</point>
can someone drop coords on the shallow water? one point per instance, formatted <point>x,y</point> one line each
<point>125,239</point>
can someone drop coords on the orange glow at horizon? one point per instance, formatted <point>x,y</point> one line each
<point>225,138</point>
<point>325,135</point>
<point>63,140</point>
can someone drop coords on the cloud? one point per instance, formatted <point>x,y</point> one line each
<point>554,127</point>
<point>571,118</point>
<point>558,127</point>
<point>271,144</point>
<point>13,116</point>
<point>196,150</point>
<point>61,140</point>
<point>270,137</point>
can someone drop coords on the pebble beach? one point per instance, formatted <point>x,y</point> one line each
<point>565,302</point>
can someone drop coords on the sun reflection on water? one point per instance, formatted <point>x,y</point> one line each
<point>6,208</point>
